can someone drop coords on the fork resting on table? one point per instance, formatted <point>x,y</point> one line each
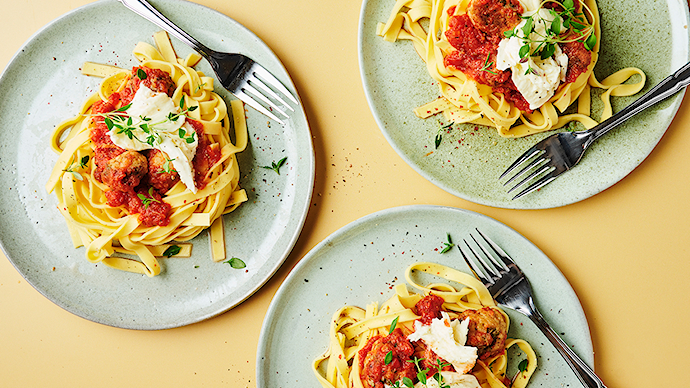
<point>239,74</point>
<point>509,287</point>
<point>558,153</point>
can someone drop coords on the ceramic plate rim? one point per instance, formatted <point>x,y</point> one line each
<point>441,183</point>
<point>300,205</point>
<point>296,274</point>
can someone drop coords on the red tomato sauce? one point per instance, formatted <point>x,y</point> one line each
<point>475,37</point>
<point>136,193</point>
<point>428,308</point>
<point>207,154</point>
<point>375,371</point>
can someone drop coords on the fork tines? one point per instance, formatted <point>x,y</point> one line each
<point>262,91</point>
<point>491,264</point>
<point>536,163</point>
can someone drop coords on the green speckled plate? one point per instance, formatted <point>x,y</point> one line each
<point>43,85</point>
<point>469,161</point>
<point>361,262</point>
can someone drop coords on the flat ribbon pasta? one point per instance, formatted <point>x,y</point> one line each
<point>351,327</point>
<point>104,230</point>
<point>463,100</point>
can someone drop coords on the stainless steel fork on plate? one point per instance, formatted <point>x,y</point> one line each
<point>510,288</point>
<point>558,153</point>
<point>244,78</point>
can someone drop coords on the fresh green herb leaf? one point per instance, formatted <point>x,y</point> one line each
<point>141,74</point>
<point>522,366</point>
<point>236,263</point>
<point>147,200</point>
<point>487,66</point>
<point>182,103</point>
<point>276,166</point>
<point>421,375</point>
<point>123,108</point>
<point>556,26</point>
<point>524,51</point>
<point>389,357</point>
<point>591,41</point>
<point>527,28</point>
<point>393,324</point>
<point>438,139</point>
<point>548,50</point>
<point>448,245</point>
<point>408,382</point>
<point>192,108</point>
<point>172,251</point>
<point>509,34</point>
<point>109,123</point>
<point>577,26</point>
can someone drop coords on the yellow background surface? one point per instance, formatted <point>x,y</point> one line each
<point>626,251</point>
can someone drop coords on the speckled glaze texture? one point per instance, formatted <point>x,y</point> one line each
<point>43,85</point>
<point>651,35</point>
<point>360,264</point>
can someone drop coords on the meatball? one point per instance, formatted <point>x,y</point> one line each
<point>493,17</point>
<point>155,79</point>
<point>375,372</point>
<point>162,175</point>
<point>579,58</point>
<point>124,171</point>
<point>488,331</point>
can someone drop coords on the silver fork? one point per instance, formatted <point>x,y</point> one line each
<point>243,77</point>
<point>560,152</point>
<point>509,287</point>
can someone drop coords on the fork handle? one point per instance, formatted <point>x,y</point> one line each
<point>146,10</point>
<point>581,369</point>
<point>663,90</point>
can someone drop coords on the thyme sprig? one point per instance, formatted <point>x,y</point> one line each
<point>77,164</point>
<point>122,123</point>
<point>147,200</point>
<point>167,166</point>
<point>275,166</point>
<point>574,23</point>
<point>439,135</point>
<point>447,245</point>
<point>487,65</point>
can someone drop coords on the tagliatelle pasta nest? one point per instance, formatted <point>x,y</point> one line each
<point>108,232</point>
<point>352,328</point>
<point>464,100</point>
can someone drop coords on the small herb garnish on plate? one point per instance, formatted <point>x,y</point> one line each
<point>141,74</point>
<point>439,134</point>
<point>172,251</point>
<point>276,166</point>
<point>447,245</point>
<point>236,263</point>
